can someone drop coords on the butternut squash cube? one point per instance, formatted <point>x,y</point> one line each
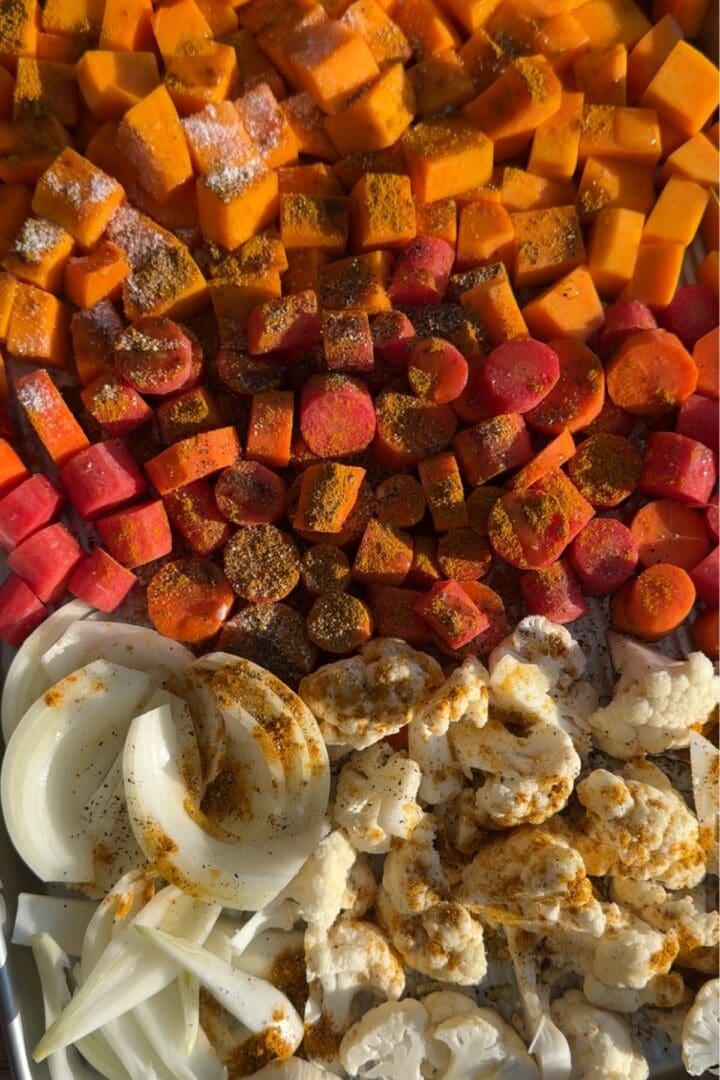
<point>112,82</point>
<point>196,79</point>
<point>527,93</point>
<point>38,253</point>
<point>570,307</point>
<point>676,216</point>
<point>267,126</point>
<point>19,34</point>
<point>38,327</point>
<point>126,26</point>
<point>44,87</point>
<point>382,212</point>
<point>612,248</point>
<point>377,117</point>
<point>237,201</point>
<point>76,194</point>
<point>313,221</point>
<point>151,135</point>
<point>177,24</point>
<point>445,157</point>
<point>684,91</point>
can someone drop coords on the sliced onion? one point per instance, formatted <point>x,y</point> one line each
<point>256,1003</point>
<point>162,1021</point>
<point>123,975</point>
<point>57,758</point>
<point>26,679</point>
<point>52,965</point>
<point>135,647</point>
<point>65,919</point>
<point>704,758</point>
<point>547,1043</point>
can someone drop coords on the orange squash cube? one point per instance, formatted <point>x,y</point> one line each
<point>612,249</point>
<point>196,79</point>
<point>28,147</point>
<point>315,179</point>
<point>358,282</point>
<point>612,22</point>
<point>425,27</point>
<point>253,65</point>
<point>710,226</point>
<point>304,269</point>
<point>520,190</point>
<point>237,201</point>
<point>44,87</point>
<point>485,234</point>
<point>470,14</point>
<point>483,59</point>
<point>217,139</point>
<point>440,83</point>
<point>219,15</point>
<point>445,157</point>
<point>19,34</point>
<point>697,159</point>
<point>605,184</point>
<point>384,37</point>
<point>382,212</point>
<point>177,24</point>
<point>609,132</point>
<point>267,126</point>
<point>377,117</point>
<point>38,327</point>
<point>438,219</point>
<point>684,91</point>
<point>492,302</point>
<point>570,307</point>
<point>76,194</point>
<point>677,214</point>
<point>602,75</point>
<point>126,26</point>
<point>527,93</point>
<point>8,286</point>
<point>313,221</point>
<point>648,54</point>
<point>548,243</point>
<point>556,143</point>
<point>73,17</point>
<point>112,82</point>
<point>38,253</point>
<point>307,121</point>
<point>96,276</point>
<point>15,205</point>
<point>329,62</point>
<point>656,274</point>
<point>151,135</point>
<point>708,273</point>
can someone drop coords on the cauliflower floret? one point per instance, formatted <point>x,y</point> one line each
<point>361,889</point>
<point>350,958</point>
<point>389,1041</point>
<point>657,702</point>
<point>638,826</point>
<point>705,766</point>
<point>433,934</point>
<point>376,797</point>
<point>687,913</point>
<point>291,1069</point>
<point>547,1042</point>
<point>534,672</point>
<point>701,1031</point>
<point>482,1044</point>
<point>601,1042</point>
<point>528,772</point>
<point>360,700</point>
<point>531,878</point>
<point>462,696</point>
<point>320,888</point>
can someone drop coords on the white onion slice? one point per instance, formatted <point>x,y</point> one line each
<point>57,758</point>
<point>189,990</point>
<point>65,919</point>
<point>547,1043</point>
<point>183,847</point>
<point>124,975</point>
<point>26,679</point>
<point>52,964</point>
<point>162,1021</point>
<point>135,647</point>
<point>256,1003</point>
<point>704,758</point>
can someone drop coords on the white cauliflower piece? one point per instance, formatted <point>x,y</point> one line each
<point>320,888</point>
<point>638,826</point>
<point>535,672</point>
<point>376,797</point>
<point>657,702</point>
<point>533,879</point>
<point>432,932</point>
<point>482,1044</point>
<point>462,696</point>
<point>687,913</point>
<point>362,699</point>
<point>547,1042</point>
<point>361,888</point>
<point>705,767</point>
<point>291,1069</point>
<point>528,772</point>
<point>389,1041</point>
<point>701,1031</point>
<point>350,958</point>
<point>601,1042</point>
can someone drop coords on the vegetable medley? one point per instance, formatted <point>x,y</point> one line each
<point>351,349</point>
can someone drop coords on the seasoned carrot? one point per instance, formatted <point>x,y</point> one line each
<point>670,532</point>
<point>12,469</point>
<point>552,456</point>
<point>577,397</point>
<point>442,485</point>
<point>706,355</point>
<point>191,459</point>
<point>706,633</point>
<point>189,600</point>
<point>339,623</point>
<point>658,600</point>
<point>651,373</point>
<point>55,425</point>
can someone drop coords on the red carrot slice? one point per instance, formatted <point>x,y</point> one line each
<point>154,356</point>
<point>189,600</point>
<point>46,560</point>
<point>337,416</point>
<point>577,398</point>
<point>552,456</point>
<point>676,467</point>
<point>248,493</point>
<point>517,375</point>
<point>493,447</point>
<point>659,600</point>
<point>138,535</point>
<point>603,555</point>
<point>706,633</point>
<point>623,318</point>
<point>102,478</point>
<point>422,271</point>
<point>692,313</point>
<point>409,429</point>
<point>449,611</point>
<point>101,581</point>
<point>699,418</point>
<point>30,506</point>
<point>672,532</point>
<point>20,611</point>
<point>528,529</point>
<point>392,334</point>
<point>651,373</point>
<point>436,370</point>
<point>706,577</point>
<point>194,512</point>
<point>605,469</point>
<point>554,593</point>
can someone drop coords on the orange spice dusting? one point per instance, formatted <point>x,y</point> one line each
<point>262,563</point>
<point>605,469</point>
<point>339,623</point>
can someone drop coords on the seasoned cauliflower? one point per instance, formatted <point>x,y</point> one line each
<point>434,934</point>
<point>319,888</point>
<point>686,913</point>
<point>638,826</point>
<point>601,1043</point>
<point>701,1031</point>
<point>705,767</point>
<point>350,958</point>
<point>528,772</point>
<point>535,672</point>
<point>462,696</point>
<point>376,797</point>
<point>291,1069</point>
<point>389,1041</point>
<point>547,1042</point>
<point>657,703</point>
<point>482,1044</point>
<point>533,879</point>
<point>360,700</point>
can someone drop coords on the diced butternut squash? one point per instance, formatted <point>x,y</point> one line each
<point>15,206</point>
<point>440,83</point>
<point>520,190</point>
<point>307,121</point>
<point>196,79</point>
<point>99,275</point>
<point>425,26</point>
<point>126,26</point>
<point>485,234</point>
<point>548,243</point>
<point>526,94</point>
<point>237,201</point>
<point>612,22</point>
<point>313,221</point>
<point>555,145</point>
<point>112,82</point>
<point>220,16</point>
<point>612,248</point>
<point>377,117</point>
<point>602,76</point>
<point>385,39</point>
<point>217,139</point>
<point>253,65</point>
<point>38,253</point>
<point>358,282</point>
<point>8,285</point>
<point>38,327</point>
<point>677,214</point>
<point>315,179</point>
<point>77,195</point>
<point>178,24</point>
<point>656,274</point>
<point>28,147</point>
<point>44,87</point>
<point>492,302</point>
<point>649,53</point>
<point>605,184</point>
<point>18,35</point>
<point>617,132</point>
<point>73,17</point>
<point>690,14</point>
<point>697,159</point>
<point>151,135</point>
<point>685,90</point>
<point>382,212</point>
<point>445,157</point>
<point>438,219</point>
<point>470,14</point>
<point>570,307</point>
<point>330,62</point>
<point>267,126</point>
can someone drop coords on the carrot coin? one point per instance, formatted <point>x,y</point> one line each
<point>189,600</point>
<point>262,563</point>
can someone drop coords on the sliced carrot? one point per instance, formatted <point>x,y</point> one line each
<point>12,469</point>
<point>652,372</point>
<point>189,600</point>
<point>191,459</point>
<point>706,633</point>
<point>670,532</point>
<point>706,355</point>
<point>552,456</point>
<point>659,600</point>
<point>577,397</point>
<point>400,501</point>
<point>339,623</point>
